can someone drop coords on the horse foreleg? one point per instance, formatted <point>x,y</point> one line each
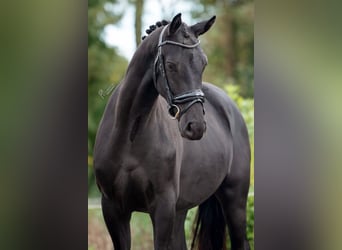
<point>178,238</point>
<point>117,222</point>
<point>163,219</point>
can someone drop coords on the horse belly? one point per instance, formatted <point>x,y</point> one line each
<point>197,187</point>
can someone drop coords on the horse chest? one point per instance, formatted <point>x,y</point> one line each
<point>128,183</point>
<point>142,168</point>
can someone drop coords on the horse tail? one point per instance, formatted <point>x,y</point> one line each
<point>209,231</point>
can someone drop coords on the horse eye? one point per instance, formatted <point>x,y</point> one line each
<point>171,66</point>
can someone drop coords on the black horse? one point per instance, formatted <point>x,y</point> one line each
<point>168,142</point>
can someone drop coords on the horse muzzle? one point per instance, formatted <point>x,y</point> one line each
<point>194,130</point>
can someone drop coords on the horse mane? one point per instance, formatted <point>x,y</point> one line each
<point>154,27</point>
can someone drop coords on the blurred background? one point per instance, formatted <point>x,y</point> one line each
<point>115,29</point>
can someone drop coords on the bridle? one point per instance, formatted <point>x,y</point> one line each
<point>189,97</point>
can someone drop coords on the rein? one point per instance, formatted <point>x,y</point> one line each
<point>189,97</point>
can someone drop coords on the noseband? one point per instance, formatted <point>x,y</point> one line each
<point>189,97</point>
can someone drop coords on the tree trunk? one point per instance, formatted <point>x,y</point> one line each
<point>230,43</point>
<point>139,4</point>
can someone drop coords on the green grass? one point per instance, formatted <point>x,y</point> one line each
<point>142,232</point>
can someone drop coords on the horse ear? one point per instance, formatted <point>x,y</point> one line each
<point>202,27</point>
<point>175,23</point>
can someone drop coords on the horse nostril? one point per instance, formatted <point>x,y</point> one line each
<point>194,130</point>
<point>188,127</point>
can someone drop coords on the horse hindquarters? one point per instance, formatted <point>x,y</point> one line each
<point>210,232</point>
<point>233,201</point>
<point>232,195</point>
<point>213,216</point>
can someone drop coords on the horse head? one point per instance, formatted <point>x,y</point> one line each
<point>178,69</point>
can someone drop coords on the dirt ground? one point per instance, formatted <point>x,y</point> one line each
<point>98,237</point>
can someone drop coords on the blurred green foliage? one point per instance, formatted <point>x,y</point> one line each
<point>250,218</point>
<point>229,45</point>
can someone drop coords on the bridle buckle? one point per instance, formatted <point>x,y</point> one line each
<point>174,115</point>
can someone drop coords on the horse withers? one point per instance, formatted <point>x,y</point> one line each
<point>168,142</point>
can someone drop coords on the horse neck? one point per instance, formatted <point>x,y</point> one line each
<point>137,93</point>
